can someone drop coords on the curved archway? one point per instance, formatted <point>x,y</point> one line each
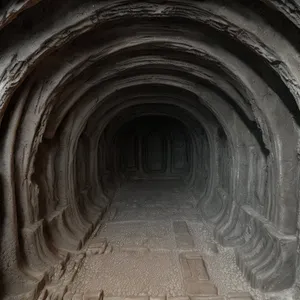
<point>81,81</point>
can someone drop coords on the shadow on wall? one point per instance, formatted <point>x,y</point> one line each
<point>2,287</point>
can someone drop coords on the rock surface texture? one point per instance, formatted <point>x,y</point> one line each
<point>106,107</point>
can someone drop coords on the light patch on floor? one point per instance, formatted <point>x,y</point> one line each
<point>154,235</point>
<point>153,213</point>
<point>131,273</point>
<point>221,267</point>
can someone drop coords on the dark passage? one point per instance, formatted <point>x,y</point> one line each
<point>154,147</point>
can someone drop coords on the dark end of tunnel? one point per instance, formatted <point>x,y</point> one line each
<point>155,147</point>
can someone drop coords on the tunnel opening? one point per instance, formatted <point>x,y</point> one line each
<point>155,142</point>
<point>149,150</point>
<point>156,148</point>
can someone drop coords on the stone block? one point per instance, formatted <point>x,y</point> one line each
<point>93,295</point>
<point>205,288</point>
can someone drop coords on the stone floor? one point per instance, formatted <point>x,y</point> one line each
<point>153,244</point>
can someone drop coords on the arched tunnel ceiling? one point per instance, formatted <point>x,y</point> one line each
<point>71,69</point>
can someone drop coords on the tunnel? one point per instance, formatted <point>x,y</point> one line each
<point>149,150</point>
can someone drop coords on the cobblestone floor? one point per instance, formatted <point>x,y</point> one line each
<point>155,245</point>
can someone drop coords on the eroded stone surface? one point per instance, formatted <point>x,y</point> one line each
<point>140,234</point>
<point>94,94</point>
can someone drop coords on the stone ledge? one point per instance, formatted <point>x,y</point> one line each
<point>268,225</point>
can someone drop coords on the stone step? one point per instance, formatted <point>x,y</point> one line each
<point>183,237</point>
<point>240,296</point>
<point>195,275</point>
